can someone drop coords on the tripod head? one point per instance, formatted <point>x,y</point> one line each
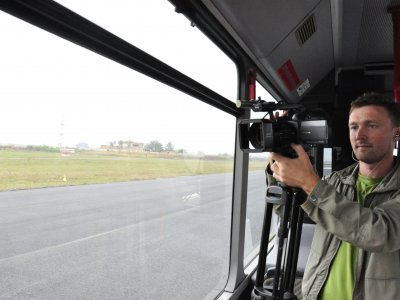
<point>274,193</point>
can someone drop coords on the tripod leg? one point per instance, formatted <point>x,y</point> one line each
<point>282,196</point>
<point>297,248</point>
<point>282,235</point>
<point>262,257</point>
<point>290,246</point>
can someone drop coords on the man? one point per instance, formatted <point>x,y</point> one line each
<point>355,253</point>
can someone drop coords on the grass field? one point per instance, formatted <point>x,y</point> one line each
<point>34,169</point>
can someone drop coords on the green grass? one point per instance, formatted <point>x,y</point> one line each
<point>30,169</point>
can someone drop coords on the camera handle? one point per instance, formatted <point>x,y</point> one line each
<point>284,274</point>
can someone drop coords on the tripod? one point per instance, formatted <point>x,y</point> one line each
<point>292,220</point>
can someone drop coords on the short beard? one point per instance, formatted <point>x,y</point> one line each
<point>371,158</point>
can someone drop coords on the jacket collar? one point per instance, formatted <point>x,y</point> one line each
<point>390,181</point>
<point>349,174</point>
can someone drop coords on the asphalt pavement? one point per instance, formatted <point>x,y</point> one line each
<point>152,239</point>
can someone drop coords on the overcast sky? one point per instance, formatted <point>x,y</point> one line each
<point>54,92</point>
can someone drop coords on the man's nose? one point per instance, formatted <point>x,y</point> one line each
<point>361,134</point>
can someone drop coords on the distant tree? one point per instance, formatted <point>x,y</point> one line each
<point>130,144</point>
<point>153,146</point>
<point>120,144</point>
<point>183,151</point>
<point>169,147</point>
<point>42,148</point>
<point>200,153</point>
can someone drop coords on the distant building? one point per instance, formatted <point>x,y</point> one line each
<point>123,146</point>
<point>67,151</point>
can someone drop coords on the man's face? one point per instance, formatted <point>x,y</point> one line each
<point>371,134</point>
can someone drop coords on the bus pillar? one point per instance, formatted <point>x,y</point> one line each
<point>252,85</point>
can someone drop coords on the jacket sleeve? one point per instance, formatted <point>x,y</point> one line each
<point>374,229</point>
<point>269,179</point>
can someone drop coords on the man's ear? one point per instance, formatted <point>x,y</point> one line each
<point>396,136</point>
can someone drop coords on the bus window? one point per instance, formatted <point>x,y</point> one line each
<point>327,167</point>
<point>256,191</point>
<point>112,185</point>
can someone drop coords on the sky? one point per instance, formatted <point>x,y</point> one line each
<point>54,92</point>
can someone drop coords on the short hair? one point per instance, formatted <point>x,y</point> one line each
<point>372,98</point>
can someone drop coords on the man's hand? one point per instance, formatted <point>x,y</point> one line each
<point>297,172</point>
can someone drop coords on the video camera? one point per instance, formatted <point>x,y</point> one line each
<point>299,126</point>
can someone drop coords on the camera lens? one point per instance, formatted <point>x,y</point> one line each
<point>255,135</point>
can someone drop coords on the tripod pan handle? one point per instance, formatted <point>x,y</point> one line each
<point>274,195</point>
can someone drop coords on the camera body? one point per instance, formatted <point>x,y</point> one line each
<point>275,135</point>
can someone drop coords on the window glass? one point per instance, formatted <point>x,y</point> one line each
<point>327,161</point>
<point>154,26</point>
<point>256,192</point>
<point>112,185</point>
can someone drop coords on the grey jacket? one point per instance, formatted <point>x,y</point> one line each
<point>374,228</point>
